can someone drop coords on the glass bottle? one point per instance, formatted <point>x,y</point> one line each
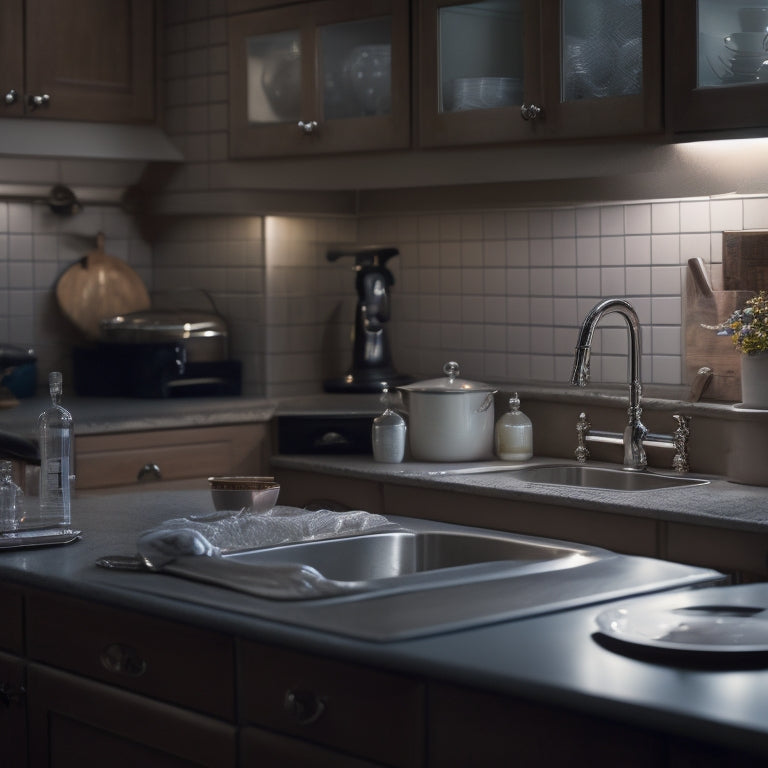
<point>514,434</point>
<point>56,433</point>
<point>11,503</point>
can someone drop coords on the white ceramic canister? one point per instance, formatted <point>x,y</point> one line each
<point>449,419</point>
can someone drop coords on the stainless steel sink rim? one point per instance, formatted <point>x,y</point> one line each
<point>418,559</point>
<point>604,478</point>
<point>585,476</point>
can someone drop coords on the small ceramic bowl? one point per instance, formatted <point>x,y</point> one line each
<point>258,494</point>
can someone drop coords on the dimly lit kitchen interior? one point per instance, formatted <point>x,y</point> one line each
<point>210,146</point>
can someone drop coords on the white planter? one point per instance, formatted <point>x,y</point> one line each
<point>754,381</point>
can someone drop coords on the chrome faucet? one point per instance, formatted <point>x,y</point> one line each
<point>635,431</point>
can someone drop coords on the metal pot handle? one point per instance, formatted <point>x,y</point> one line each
<point>486,404</point>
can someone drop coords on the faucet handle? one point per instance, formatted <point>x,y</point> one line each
<point>680,461</point>
<point>582,427</point>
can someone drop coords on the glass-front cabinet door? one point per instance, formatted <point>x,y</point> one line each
<point>505,70</point>
<point>718,65</point>
<point>477,64</point>
<point>320,77</point>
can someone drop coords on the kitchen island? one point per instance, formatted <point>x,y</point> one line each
<point>146,666</point>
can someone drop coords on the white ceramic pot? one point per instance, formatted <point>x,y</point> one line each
<point>754,380</point>
<point>449,419</point>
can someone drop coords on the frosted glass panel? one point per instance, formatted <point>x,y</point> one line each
<point>356,63</point>
<point>731,38</point>
<point>274,78</point>
<point>481,55</point>
<point>602,48</point>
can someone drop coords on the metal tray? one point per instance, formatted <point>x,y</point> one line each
<point>38,537</point>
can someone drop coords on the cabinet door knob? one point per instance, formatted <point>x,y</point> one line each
<point>530,111</point>
<point>9,694</point>
<point>38,100</point>
<point>308,127</point>
<point>11,97</point>
<point>307,707</point>
<point>148,473</point>
<point>123,660</point>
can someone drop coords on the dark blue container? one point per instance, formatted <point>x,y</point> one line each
<point>18,370</point>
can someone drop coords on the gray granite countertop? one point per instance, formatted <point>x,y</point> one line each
<point>110,415</point>
<point>718,503</point>
<point>553,658</point>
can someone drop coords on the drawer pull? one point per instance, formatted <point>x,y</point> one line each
<point>123,660</point>
<point>148,473</point>
<point>11,695</point>
<point>305,706</point>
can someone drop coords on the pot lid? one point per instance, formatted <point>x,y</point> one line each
<point>449,384</point>
<point>161,323</point>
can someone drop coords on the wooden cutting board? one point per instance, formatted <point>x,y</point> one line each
<point>99,286</point>
<point>745,261</point>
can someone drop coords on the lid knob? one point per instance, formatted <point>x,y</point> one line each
<point>451,370</point>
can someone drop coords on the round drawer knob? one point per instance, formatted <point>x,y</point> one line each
<point>307,707</point>
<point>149,473</point>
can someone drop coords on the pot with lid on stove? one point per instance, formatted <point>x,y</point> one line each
<point>450,419</point>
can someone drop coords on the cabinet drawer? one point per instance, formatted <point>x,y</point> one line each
<point>76,722</point>
<point>161,659</point>
<point>12,625</point>
<point>360,711</point>
<point>105,461</point>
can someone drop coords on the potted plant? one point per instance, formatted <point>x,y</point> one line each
<point>748,327</point>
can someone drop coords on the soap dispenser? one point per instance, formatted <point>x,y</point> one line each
<point>514,434</point>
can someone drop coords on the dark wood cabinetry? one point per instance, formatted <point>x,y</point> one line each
<point>536,28</point>
<point>709,86</point>
<point>294,73</point>
<point>364,713</point>
<point>78,60</point>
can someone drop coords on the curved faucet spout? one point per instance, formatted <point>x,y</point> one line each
<point>635,431</point>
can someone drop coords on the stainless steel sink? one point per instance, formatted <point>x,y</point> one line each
<point>429,577</point>
<point>586,476</point>
<point>398,554</point>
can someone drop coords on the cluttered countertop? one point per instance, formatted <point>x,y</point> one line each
<point>553,658</point>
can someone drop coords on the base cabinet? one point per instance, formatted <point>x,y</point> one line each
<point>468,727</point>
<point>169,458</point>
<point>13,711</point>
<point>77,722</point>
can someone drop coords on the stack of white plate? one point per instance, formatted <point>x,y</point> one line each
<point>484,93</point>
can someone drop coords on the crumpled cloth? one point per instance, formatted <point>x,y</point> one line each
<point>220,533</point>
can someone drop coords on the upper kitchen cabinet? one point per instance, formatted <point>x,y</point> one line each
<point>499,71</point>
<point>716,75</point>
<point>320,77</point>
<point>78,59</point>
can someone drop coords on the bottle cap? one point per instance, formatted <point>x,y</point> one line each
<point>54,381</point>
<point>514,402</point>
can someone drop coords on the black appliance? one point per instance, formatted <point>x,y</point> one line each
<point>158,369</point>
<point>372,369</point>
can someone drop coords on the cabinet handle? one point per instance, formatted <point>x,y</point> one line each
<point>38,100</point>
<point>305,706</point>
<point>308,127</point>
<point>530,111</point>
<point>149,473</point>
<point>11,97</point>
<point>123,660</point>
<point>11,695</point>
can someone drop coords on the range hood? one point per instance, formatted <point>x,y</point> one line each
<point>88,141</point>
